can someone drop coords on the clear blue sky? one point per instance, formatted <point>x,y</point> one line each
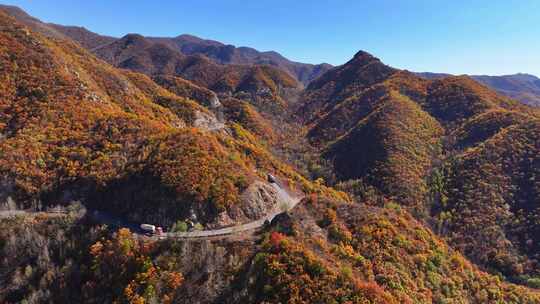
<point>453,36</point>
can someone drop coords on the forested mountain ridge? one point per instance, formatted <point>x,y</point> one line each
<point>229,54</point>
<point>431,144</point>
<point>522,87</point>
<point>414,190</point>
<point>89,130</point>
<point>184,44</point>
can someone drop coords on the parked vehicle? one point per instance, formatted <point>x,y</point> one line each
<point>151,229</point>
<point>148,228</point>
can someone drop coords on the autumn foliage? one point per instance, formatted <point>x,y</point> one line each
<point>74,127</point>
<point>445,173</point>
<point>122,270</point>
<point>370,255</point>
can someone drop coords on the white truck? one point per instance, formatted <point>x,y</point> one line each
<point>151,229</point>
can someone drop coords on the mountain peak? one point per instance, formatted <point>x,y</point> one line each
<point>134,39</point>
<point>15,11</point>
<point>133,36</point>
<point>187,38</point>
<point>362,58</point>
<point>363,55</point>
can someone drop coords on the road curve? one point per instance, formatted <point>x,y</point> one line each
<point>113,221</point>
<point>284,195</point>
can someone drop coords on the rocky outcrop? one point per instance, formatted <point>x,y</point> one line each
<point>257,201</point>
<point>207,122</point>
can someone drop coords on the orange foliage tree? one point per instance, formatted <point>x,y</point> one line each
<point>122,269</point>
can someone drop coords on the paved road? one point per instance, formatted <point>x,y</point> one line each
<point>110,220</point>
<point>284,196</point>
<point>12,213</point>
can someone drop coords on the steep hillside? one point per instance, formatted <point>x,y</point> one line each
<point>391,149</point>
<point>75,128</point>
<point>342,82</point>
<point>351,97</point>
<point>324,251</point>
<point>364,117</point>
<point>488,204</point>
<point>264,86</point>
<point>329,252</point>
<point>77,119</point>
<point>449,148</point>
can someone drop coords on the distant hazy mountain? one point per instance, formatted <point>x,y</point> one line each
<point>185,44</point>
<point>523,87</point>
<point>83,36</point>
<point>229,54</point>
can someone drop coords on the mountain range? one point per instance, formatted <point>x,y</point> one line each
<point>522,87</point>
<point>183,44</point>
<point>406,188</point>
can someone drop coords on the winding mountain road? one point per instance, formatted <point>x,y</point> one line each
<point>284,196</point>
<point>13,213</point>
<point>108,219</point>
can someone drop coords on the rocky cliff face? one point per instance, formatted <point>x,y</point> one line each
<point>257,201</point>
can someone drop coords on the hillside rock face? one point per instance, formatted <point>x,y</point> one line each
<point>182,87</point>
<point>257,201</point>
